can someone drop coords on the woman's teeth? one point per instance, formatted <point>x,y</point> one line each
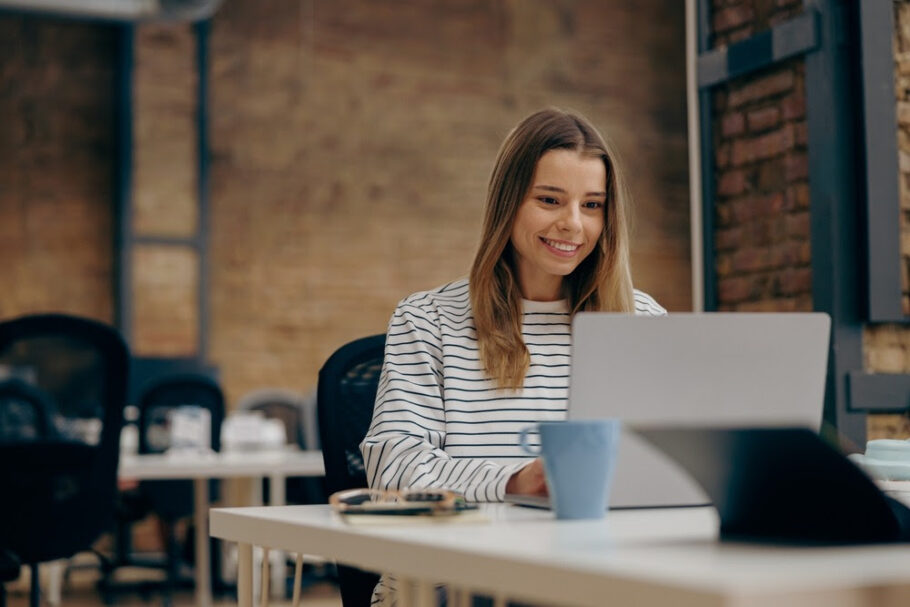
<point>561,245</point>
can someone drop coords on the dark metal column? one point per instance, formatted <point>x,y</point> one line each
<point>883,265</point>
<point>202,29</point>
<point>705,119</point>
<point>836,212</point>
<point>123,181</point>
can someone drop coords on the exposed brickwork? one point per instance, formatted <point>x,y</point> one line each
<point>165,317</point>
<point>56,146</point>
<point>352,144</point>
<point>886,349</point>
<point>762,215</point>
<point>761,234</point>
<point>735,20</point>
<point>164,110</point>
<point>902,92</point>
<point>165,282</point>
<point>762,212</point>
<point>351,149</point>
<point>888,426</point>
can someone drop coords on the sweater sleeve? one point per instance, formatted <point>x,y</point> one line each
<point>404,447</point>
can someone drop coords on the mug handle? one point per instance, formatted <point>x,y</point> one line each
<point>523,441</point>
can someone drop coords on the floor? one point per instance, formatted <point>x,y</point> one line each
<point>79,591</point>
<point>326,596</point>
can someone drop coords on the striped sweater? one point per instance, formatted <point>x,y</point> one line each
<point>439,421</point>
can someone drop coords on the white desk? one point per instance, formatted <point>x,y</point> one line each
<point>644,557</point>
<point>274,465</point>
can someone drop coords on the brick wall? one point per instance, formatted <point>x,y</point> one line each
<point>902,93</point>
<point>56,167</point>
<point>165,321</point>
<point>762,252</point>
<point>351,145</point>
<point>762,238</point>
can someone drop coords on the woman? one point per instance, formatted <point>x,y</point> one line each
<point>470,364</point>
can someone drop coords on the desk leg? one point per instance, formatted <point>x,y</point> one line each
<point>298,571</point>
<point>415,593</point>
<point>459,597</point>
<point>424,594</point>
<point>279,569</point>
<point>201,515</point>
<point>55,571</point>
<point>244,575</point>
<point>405,592</point>
<point>264,576</point>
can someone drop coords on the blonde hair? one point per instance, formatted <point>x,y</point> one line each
<point>601,282</point>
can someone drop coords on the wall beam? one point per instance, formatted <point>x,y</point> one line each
<point>123,182</point>
<point>883,262</point>
<point>202,30</point>
<point>835,212</point>
<point>879,392</point>
<point>794,37</point>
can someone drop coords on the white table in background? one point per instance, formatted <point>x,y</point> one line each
<point>900,490</point>
<point>277,466</point>
<point>633,557</point>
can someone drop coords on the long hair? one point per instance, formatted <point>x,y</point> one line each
<point>601,282</point>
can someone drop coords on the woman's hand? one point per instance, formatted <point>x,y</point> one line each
<point>530,480</point>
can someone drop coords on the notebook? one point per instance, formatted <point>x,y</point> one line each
<point>713,369</point>
<point>783,485</point>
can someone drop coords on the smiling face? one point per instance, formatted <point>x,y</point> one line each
<point>559,221</point>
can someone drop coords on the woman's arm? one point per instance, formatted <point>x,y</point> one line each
<point>404,447</point>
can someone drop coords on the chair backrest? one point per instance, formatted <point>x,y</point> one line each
<point>146,371</point>
<point>292,408</point>
<point>172,499</point>
<point>59,483</point>
<point>346,395</point>
<point>298,414</point>
<point>172,392</point>
<point>26,413</point>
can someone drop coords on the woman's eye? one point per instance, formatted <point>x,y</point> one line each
<point>593,204</point>
<point>547,200</point>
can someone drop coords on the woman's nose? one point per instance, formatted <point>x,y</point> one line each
<point>570,219</point>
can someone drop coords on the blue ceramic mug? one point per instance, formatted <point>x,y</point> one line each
<point>579,457</point>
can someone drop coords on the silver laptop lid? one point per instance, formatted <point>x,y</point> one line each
<point>716,369</point>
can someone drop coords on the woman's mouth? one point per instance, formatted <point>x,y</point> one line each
<point>561,247</point>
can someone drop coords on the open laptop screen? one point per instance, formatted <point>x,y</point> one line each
<point>716,369</point>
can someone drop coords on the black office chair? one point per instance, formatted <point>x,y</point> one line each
<point>298,415</point>
<point>346,394</point>
<point>170,500</point>
<point>59,475</point>
<point>173,500</point>
<point>9,571</point>
<point>25,415</point>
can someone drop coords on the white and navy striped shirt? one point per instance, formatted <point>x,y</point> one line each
<point>439,420</point>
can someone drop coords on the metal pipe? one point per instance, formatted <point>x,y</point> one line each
<point>695,191</point>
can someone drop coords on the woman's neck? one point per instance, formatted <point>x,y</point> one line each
<point>540,292</point>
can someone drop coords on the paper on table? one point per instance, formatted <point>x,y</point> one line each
<point>468,516</point>
<point>878,469</point>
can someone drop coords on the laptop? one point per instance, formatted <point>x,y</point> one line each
<point>783,485</point>
<point>714,369</point>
